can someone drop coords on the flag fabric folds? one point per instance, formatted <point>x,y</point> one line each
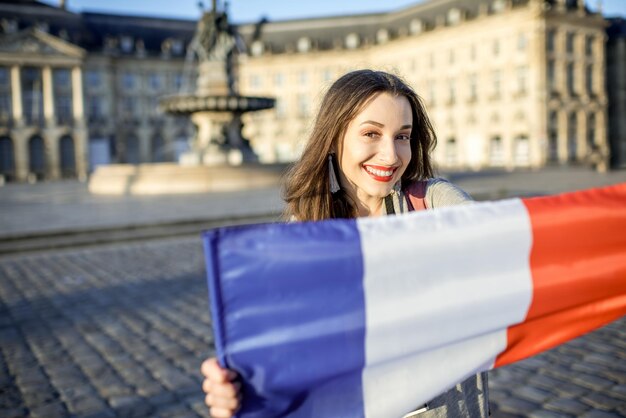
<point>375,316</point>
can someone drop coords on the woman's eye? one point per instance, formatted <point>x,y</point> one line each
<point>403,137</point>
<point>371,134</point>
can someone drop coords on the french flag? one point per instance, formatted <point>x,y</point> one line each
<point>373,317</point>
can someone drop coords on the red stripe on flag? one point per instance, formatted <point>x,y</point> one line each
<point>578,267</point>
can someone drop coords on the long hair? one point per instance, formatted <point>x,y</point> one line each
<point>307,190</point>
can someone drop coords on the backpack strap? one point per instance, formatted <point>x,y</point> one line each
<point>416,193</point>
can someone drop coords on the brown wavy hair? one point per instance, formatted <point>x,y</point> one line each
<point>307,189</point>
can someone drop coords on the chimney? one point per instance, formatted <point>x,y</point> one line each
<point>62,4</point>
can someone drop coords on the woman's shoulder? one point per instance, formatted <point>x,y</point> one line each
<point>438,192</point>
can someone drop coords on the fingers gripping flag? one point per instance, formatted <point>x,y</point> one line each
<point>375,316</point>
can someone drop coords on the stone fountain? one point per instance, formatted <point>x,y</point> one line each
<point>215,107</point>
<point>220,158</point>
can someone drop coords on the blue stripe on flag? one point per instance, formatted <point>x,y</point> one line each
<point>266,293</point>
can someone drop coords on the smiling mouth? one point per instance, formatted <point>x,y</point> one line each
<point>384,174</point>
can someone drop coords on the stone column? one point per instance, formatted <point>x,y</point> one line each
<point>77,95</point>
<point>20,147</point>
<point>80,135</point>
<point>16,93</point>
<point>48,95</point>
<point>52,154</point>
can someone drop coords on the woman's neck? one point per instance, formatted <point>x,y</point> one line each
<point>371,206</point>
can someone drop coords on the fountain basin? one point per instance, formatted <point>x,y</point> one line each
<point>184,104</point>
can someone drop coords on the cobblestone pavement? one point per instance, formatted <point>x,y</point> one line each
<point>121,331</point>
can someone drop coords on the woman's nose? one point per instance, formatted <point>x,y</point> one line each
<point>387,151</point>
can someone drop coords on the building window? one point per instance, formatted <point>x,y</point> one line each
<point>591,131</point>
<point>570,78</point>
<point>496,47</point>
<point>451,152</point>
<point>473,88</point>
<point>303,78</point>
<point>431,93</point>
<point>303,105</point>
<point>589,45</point>
<point>451,92</point>
<point>67,155</point>
<point>572,137</point>
<point>5,96</point>
<point>522,151</point>
<point>279,79</point>
<point>94,79</point>
<point>522,42</point>
<point>550,74</point>
<point>62,95</point>
<point>7,158</point>
<point>36,157</point>
<point>589,79</point>
<point>569,43</point>
<point>155,81</point>
<point>128,81</point>
<point>550,38</point>
<point>496,76</point>
<point>553,135</point>
<point>132,150</point>
<point>522,79</point>
<point>496,152</point>
<point>159,149</point>
<point>94,108</point>
<point>32,95</point>
<point>129,107</point>
<point>178,81</point>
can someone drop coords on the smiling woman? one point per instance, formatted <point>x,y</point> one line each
<point>368,155</point>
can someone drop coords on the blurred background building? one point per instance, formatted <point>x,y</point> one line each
<point>508,83</point>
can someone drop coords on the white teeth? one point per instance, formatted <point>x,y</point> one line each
<point>379,173</point>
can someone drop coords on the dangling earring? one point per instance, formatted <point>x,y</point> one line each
<point>332,175</point>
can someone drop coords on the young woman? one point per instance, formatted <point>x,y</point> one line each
<point>368,155</point>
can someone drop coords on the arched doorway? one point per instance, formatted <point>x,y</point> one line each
<point>68,157</point>
<point>132,150</point>
<point>36,157</point>
<point>7,158</point>
<point>159,152</point>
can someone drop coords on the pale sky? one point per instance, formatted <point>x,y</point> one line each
<point>246,11</point>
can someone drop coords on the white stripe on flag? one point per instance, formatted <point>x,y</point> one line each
<point>446,264</point>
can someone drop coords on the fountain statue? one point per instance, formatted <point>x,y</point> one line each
<point>220,158</point>
<point>215,107</point>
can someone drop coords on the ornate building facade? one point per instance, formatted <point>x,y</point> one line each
<point>507,83</point>
<point>77,90</point>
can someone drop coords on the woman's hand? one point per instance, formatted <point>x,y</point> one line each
<point>222,393</point>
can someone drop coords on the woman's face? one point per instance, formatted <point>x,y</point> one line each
<point>376,148</point>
